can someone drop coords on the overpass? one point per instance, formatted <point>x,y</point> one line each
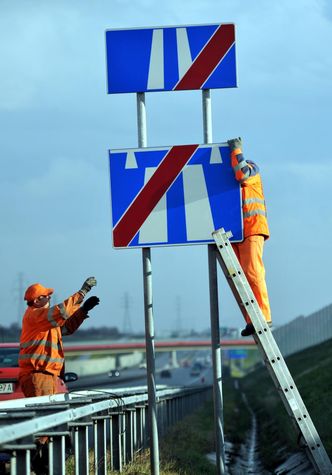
<point>73,349</point>
<point>99,357</point>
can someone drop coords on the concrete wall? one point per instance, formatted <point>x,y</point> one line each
<point>304,332</point>
<point>84,365</point>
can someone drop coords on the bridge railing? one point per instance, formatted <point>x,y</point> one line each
<point>102,430</point>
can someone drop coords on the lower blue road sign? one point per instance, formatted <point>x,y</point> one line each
<point>173,195</point>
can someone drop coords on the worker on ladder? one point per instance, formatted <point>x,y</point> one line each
<point>250,251</point>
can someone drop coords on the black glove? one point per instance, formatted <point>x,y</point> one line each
<point>90,303</point>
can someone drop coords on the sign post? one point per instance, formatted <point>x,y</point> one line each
<point>214,314</point>
<point>148,313</point>
<point>176,185</point>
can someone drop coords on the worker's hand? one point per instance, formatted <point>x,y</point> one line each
<point>88,284</point>
<point>235,143</point>
<point>90,303</point>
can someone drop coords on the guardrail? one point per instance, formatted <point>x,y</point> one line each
<point>104,429</point>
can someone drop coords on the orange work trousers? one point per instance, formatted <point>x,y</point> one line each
<point>38,384</point>
<point>250,255</point>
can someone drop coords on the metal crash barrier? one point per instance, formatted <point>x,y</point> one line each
<point>101,430</point>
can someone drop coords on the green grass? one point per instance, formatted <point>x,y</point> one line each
<point>183,451</point>
<point>311,371</point>
<point>186,445</point>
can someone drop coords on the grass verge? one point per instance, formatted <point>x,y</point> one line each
<point>183,451</point>
<point>311,371</point>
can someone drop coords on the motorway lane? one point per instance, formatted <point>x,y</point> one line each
<point>182,377</point>
<point>133,377</point>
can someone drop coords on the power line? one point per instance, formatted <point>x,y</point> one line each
<point>127,328</point>
<point>178,313</point>
<point>19,291</point>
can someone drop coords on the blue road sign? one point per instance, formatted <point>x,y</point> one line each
<point>172,58</point>
<point>173,195</point>
<point>238,354</point>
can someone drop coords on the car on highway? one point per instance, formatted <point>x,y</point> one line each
<point>196,369</point>
<point>9,384</point>
<point>114,373</point>
<point>165,373</point>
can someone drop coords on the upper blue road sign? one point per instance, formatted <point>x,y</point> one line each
<point>173,195</point>
<point>171,59</point>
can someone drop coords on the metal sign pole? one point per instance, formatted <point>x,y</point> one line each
<point>214,314</point>
<point>148,312</point>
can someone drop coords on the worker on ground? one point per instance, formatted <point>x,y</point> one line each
<point>41,356</point>
<point>250,251</point>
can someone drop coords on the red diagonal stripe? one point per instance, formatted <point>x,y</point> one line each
<point>208,58</point>
<point>170,167</point>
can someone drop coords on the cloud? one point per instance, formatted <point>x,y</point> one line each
<point>57,124</point>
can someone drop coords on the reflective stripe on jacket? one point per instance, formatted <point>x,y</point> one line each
<point>41,346</point>
<point>253,201</point>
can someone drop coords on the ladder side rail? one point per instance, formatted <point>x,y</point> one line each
<point>315,451</point>
<point>273,358</point>
<point>276,382</point>
<point>264,335</point>
<point>231,284</point>
<point>280,389</point>
<point>243,293</point>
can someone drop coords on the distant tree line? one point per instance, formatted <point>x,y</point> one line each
<point>13,332</point>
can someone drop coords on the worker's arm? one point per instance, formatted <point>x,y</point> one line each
<point>75,321</point>
<point>43,319</point>
<point>243,169</point>
<point>56,316</point>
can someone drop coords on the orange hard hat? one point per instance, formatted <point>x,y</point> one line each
<point>35,291</point>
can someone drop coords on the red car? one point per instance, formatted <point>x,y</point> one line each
<point>9,370</point>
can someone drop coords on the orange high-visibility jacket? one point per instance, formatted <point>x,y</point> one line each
<point>41,346</point>
<point>253,201</point>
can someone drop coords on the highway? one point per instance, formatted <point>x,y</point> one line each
<point>133,377</point>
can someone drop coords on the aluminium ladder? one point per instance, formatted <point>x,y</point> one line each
<point>273,358</point>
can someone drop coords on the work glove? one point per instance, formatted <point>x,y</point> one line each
<point>88,284</point>
<point>235,143</point>
<point>90,303</point>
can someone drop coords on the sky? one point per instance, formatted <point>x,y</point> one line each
<point>57,124</point>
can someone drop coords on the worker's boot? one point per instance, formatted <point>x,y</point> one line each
<point>248,330</point>
<point>68,447</point>
<point>39,459</point>
<point>4,459</point>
